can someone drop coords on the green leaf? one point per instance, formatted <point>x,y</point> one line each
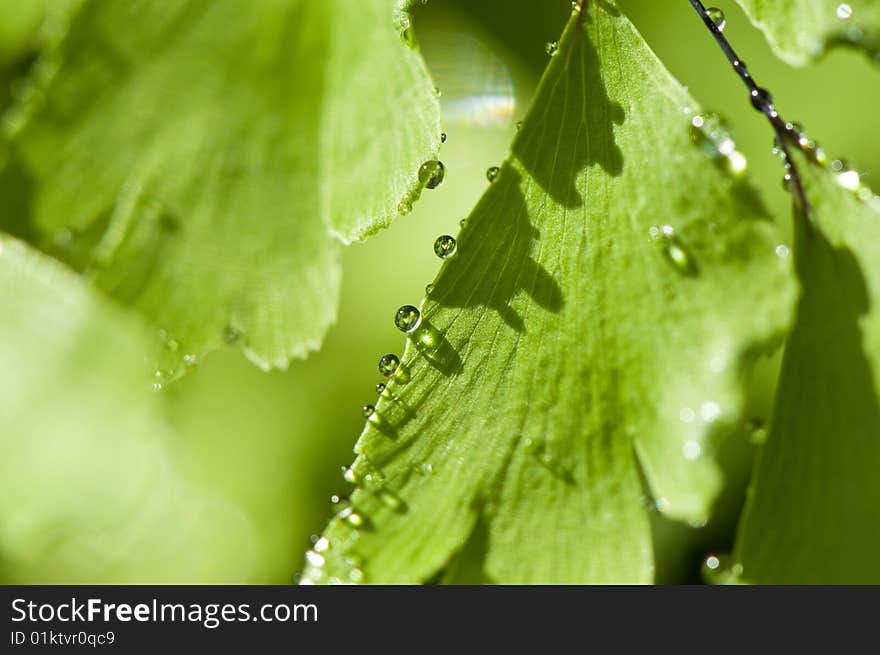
<point>812,513</point>
<point>569,337</point>
<point>89,490</point>
<point>179,154</point>
<point>802,30</point>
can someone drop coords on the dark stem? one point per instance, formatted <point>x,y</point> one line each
<point>763,102</point>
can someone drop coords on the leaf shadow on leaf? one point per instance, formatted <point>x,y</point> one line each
<point>15,190</point>
<point>594,142</point>
<point>825,375</point>
<point>435,348</point>
<point>468,565</point>
<point>515,271</point>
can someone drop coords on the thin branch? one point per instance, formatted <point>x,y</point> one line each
<point>763,102</point>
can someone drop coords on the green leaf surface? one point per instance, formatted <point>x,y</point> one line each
<point>569,341</point>
<point>813,514</point>
<point>201,160</point>
<point>89,490</point>
<point>802,30</point>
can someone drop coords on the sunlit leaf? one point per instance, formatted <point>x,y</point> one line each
<point>89,491</point>
<point>179,153</point>
<point>801,30</point>
<point>605,297</point>
<point>813,514</point>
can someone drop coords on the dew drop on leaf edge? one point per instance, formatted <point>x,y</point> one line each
<point>445,246</point>
<point>388,364</point>
<point>431,173</point>
<point>407,318</point>
<point>492,173</point>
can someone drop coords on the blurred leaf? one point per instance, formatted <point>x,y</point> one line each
<point>812,513</point>
<point>179,154</point>
<point>88,486</point>
<point>801,30</point>
<point>570,330</point>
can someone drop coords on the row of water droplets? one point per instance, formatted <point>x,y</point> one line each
<point>408,319</point>
<point>847,176</point>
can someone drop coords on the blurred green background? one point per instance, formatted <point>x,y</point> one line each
<point>272,445</point>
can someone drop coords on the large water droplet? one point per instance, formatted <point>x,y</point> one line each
<point>442,137</point>
<point>407,318</point>
<point>388,364</point>
<point>431,173</point>
<point>368,411</point>
<point>551,48</point>
<point>444,246</point>
<point>492,173</point>
<point>844,11</point>
<point>380,388</point>
<point>715,15</point>
<point>429,289</point>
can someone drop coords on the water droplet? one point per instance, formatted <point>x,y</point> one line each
<point>847,177</point>
<point>407,318</point>
<point>844,11</point>
<point>348,472</point>
<point>691,450</point>
<point>519,125</point>
<point>427,468</point>
<point>715,15</point>
<point>315,559</point>
<point>463,222</point>
<point>322,545</point>
<point>356,575</point>
<point>782,251</point>
<point>190,360</point>
<point>171,343</point>
<point>351,517</point>
<point>408,36</point>
<point>231,335</point>
<point>442,137</point>
<point>429,289</point>
<point>388,364</point>
<point>380,388</point>
<point>431,173</point>
<point>717,569</point>
<point>709,411</point>
<point>761,100</point>
<point>673,249</point>
<point>444,246</point>
<point>368,411</point>
<point>551,47</point>
<point>404,208</point>
<point>334,500</point>
<point>389,499</point>
<point>492,173</point>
